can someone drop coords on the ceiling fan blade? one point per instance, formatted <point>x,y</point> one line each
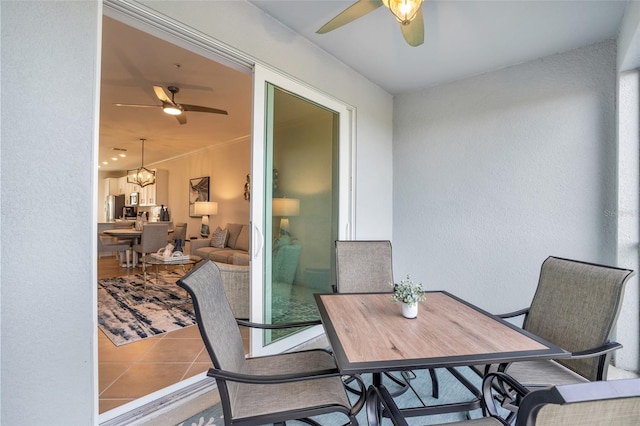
<point>413,32</point>
<point>353,12</point>
<point>198,108</point>
<point>137,105</point>
<point>182,118</point>
<point>161,94</point>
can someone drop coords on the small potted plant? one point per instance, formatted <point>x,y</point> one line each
<point>409,293</point>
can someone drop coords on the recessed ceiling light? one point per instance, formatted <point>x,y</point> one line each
<point>114,158</point>
<point>123,155</point>
<point>105,162</point>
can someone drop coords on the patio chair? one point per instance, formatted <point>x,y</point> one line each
<point>576,306</point>
<point>269,389</point>
<point>366,267</point>
<point>585,404</point>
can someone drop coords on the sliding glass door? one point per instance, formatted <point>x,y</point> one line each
<point>300,204</point>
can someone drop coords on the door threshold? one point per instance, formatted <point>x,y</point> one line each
<point>157,404</point>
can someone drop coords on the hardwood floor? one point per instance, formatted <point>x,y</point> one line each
<point>131,371</point>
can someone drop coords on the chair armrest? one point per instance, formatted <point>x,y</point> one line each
<point>600,350</point>
<point>278,326</point>
<point>514,313</point>
<point>272,379</point>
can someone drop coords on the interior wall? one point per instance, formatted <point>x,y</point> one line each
<point>227,166</point>
<point>494,173</point>
<point>50,57</point>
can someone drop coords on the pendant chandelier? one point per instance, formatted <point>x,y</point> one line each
<point>141,176</point>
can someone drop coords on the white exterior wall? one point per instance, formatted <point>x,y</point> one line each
<point>49,80</point>
<point>50,55</point>
<point>494,173</point>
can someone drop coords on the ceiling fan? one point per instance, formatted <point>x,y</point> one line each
<point>407,12</point>
<point>171,107</point>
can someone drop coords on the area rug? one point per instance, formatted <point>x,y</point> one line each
<point>128,313</point>
<point>451,390</point>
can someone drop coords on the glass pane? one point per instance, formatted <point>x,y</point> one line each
<point>301,207</point>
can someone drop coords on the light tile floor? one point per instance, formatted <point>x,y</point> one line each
<point>131,371</point>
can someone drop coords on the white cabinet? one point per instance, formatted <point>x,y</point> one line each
<point>156,194</point>
<point>112,186</point>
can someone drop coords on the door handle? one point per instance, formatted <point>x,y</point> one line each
<point>259,245</point>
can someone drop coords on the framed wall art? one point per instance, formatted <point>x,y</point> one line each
<point>198,191</point>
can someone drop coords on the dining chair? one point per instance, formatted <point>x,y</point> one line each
<point>268,389</point>
<point>367,267</point>
<point>585,404</point>
<point>107,244</point>
<point>152,239</point>
<point>178,236</point>
<point>575,306</point>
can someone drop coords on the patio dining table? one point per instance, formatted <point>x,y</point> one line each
<point>368,334</point>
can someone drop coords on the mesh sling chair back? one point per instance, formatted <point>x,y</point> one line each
<point>364,267</point>
<point>584,404</point>
<point>575,306</point>
<point>367,267</point>
<point>261,390</point>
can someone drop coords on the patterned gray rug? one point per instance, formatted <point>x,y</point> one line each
<point>128,313</point>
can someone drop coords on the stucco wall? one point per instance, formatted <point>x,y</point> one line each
<point>50,58</point>
<point>49,84</point>
<point>494,173</point>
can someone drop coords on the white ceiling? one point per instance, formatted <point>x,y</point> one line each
<point>132,63</point>
<point>462,38</point>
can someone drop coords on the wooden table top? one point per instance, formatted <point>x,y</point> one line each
<point>123,232</point>
<point>369,334</point>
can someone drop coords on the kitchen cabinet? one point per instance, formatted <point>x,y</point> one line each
<point>112,186</point>
<point>156,194</point>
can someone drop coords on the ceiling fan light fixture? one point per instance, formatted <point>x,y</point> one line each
<point>141,176</point>
<point>171,109</point>
<point>404,10</point>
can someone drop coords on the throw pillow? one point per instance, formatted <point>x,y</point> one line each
<point>219,237</point>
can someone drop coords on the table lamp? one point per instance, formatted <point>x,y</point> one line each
<point>285,208</point>
<point>205,208</point>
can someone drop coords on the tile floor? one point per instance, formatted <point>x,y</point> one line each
<point>136,369</point>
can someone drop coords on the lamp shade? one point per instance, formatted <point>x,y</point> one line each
<point>205,208</point>
<point>286,207</point>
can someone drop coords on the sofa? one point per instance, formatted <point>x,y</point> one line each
<point>235,280</point>
<point>229,245</point>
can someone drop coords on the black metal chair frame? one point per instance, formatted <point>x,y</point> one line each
<point>222,376</point>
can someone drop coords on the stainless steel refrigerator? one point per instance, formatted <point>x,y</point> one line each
<point>113,207</point>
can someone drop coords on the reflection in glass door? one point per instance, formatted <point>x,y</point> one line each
<point>301,195</point>
<point>300,203</point>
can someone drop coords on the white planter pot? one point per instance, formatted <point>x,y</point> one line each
<point>409,311</point>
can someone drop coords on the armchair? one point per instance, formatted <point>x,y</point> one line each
<point>585,404</point>
<point>260,390</point>
<point>576,306</point>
